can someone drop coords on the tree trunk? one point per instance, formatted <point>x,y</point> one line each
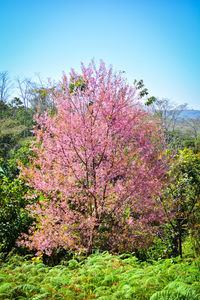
<point>180,241</point>
<point>89,248</point>
<point>25,123</point>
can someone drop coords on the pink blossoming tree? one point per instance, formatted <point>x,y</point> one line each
<point>98,168</point>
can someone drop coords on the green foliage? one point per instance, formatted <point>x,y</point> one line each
<point>77,83</point>
<point>150,100</point>
<point>21,155</point>
<point>175,291</point>
<point>14,218</point>
<point>192,143</point>
<point>139,85</point>
<point>175,139</point>
<point>101,276</point>
<point>12,128</point>
<point>10,133</point>
<point>197,144</point>
<point>189,143</point>
<point>181,198</point>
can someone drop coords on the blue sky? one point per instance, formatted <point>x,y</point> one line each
<point>154,40</point>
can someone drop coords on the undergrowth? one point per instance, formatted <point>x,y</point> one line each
<point>100,276</point>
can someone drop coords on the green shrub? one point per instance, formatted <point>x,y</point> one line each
<point>14,218</point>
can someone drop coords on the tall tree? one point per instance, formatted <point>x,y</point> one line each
<point>24,87</point>
<point>99,168</point>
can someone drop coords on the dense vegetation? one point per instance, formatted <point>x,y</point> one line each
<point>97,174</point>
<point>101,276</point>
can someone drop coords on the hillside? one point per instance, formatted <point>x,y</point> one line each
<point>190,113</point>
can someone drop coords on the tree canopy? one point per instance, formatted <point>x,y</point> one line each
<point>98,167</point>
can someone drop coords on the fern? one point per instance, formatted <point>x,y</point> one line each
<point>101,276</point>
<point>177,290</point>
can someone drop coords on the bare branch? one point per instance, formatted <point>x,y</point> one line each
<point>5,86</point>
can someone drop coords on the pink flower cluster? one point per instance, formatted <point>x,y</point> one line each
<point>99,165</point>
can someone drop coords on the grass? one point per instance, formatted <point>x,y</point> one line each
<point>101,276</point>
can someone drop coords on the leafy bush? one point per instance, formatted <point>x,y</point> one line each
<point>181,199</point>
<point>14,218</point>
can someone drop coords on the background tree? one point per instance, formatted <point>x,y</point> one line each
<point>99,167</point>
<point>5,88</point>
<point>193,125</point>
<point>14,217</point>
<point>167,112</point>
<point>24,87</point>
<point>182,196</point>
<point>169,115</point>
<point>35,95</point>
<point>41,95</point>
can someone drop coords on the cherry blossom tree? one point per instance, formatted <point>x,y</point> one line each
<point>98,168</point>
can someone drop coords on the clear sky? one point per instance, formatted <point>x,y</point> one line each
<point>154,40</point>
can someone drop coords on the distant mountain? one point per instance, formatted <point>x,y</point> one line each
<point>189,113</point>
